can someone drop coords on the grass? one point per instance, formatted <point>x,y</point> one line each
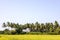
<point>29,37</point>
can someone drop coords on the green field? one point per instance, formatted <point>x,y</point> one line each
<point>29,37</point>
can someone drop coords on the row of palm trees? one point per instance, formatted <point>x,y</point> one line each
<point>35,27</point>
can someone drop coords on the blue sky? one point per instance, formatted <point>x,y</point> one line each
<point>29,11</point>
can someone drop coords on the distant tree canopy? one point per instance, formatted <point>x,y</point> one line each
<point>48,28</point>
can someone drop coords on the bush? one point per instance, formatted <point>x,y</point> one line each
<point>53,33</point>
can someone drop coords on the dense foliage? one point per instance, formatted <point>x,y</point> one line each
<point>35,28</point>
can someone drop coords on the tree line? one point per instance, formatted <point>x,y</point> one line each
<point>35,28</point>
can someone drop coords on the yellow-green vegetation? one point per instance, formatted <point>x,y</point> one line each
<point>29,37</point>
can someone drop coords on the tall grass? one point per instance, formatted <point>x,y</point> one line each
<point>30,37</point>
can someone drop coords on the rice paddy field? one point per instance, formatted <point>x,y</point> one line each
<point>29,37</point>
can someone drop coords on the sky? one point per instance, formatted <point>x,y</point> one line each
<point>29,11</point>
